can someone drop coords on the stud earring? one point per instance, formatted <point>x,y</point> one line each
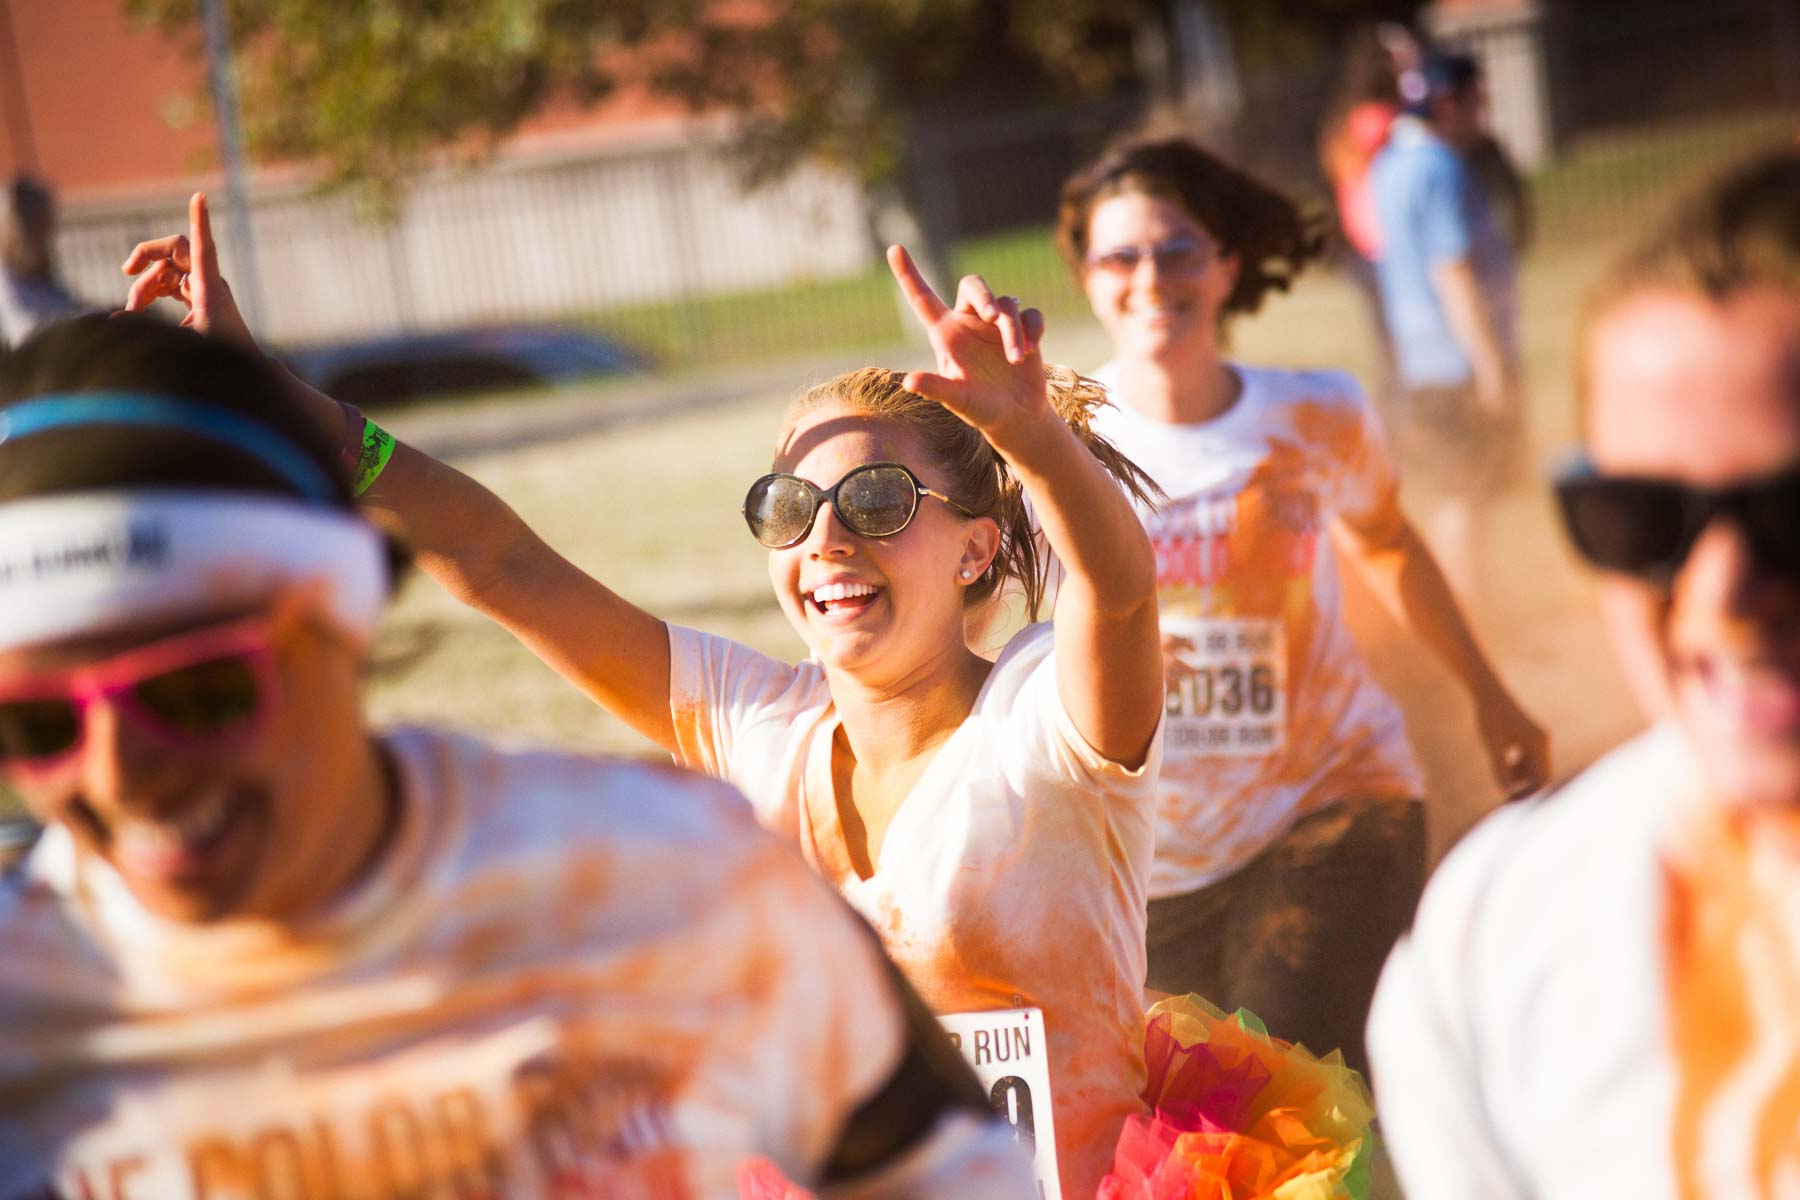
<point>965,572</point>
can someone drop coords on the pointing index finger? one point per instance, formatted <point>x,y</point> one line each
<point>918,293</point>
<point>206,255</point>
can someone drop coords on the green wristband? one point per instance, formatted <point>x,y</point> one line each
<point>372,458</point>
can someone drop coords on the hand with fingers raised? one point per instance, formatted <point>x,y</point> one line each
<point>989,370</point>
<point>185,266</point>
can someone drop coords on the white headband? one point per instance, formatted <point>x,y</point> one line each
<point>92,562</point>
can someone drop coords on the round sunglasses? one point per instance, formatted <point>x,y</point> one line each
<point>1646,527</point>
<point>203,691</point>
<point>874,500</point>
<point>1180,255</point>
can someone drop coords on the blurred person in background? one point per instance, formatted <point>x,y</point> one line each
<point>1601,992</point>
<point>1290,830</point>
<point>1448,280</point>
<point>991,819</point>
<point>1354,129</point>
<point>31,294</point>
<point>261,950</point>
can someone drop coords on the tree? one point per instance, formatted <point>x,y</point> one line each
<point>372,90</point>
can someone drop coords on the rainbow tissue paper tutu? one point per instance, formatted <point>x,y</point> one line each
<point>1239,1115</point>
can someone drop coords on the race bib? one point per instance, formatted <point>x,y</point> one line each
<point>1006,1047</point>
<point>1226,681</point>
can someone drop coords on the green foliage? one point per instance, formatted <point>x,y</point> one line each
<point>374,89</point>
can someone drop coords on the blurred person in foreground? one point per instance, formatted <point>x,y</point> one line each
<point>1447,275</point>
<point>31,293</point>
<point>1601,992</point>
<point>261,950</point>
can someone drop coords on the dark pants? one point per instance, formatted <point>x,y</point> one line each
<point>1298,935</point>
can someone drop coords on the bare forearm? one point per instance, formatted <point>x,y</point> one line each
<point>1108,646</point>
<point>484,554</point>
<point>1409,583</point>
<point>1087,520</point>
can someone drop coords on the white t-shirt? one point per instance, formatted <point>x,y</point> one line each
<point>1519,1035</point>
<point>564,978</point>
<point>1011,876</point>
<point>1276,716</point>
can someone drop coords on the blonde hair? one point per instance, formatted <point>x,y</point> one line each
<point>975,475</point>
<point>1740,231</point>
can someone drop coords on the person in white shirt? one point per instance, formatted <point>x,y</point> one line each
<point>1601,992</point>
<point>1290,834</point>
<point>990,819</point>
<point>261,951</point>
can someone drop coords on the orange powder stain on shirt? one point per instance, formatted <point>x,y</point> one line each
<point>1732,950</point>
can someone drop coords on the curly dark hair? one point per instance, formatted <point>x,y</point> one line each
<point>1268,233</point>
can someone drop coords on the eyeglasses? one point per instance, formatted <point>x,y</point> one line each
<point>1646,527</point>
<point>874,500</point>
<point>207,690</point>
<point>1175,256</point>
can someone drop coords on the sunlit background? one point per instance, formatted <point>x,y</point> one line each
<point>586,251</point>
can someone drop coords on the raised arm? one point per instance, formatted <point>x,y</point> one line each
<point>463,535</point>
<point>990,373</point>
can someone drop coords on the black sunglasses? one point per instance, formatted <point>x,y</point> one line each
<point>874,500</point>
<point>1645,527</point>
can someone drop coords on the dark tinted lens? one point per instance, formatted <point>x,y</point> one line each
<point>779,510</point>
<point>876,501</point>
<point>1632,525</point>
<point>1121,259</point>
<point>207,698</point>
<point>37,728</point>
<point>1772,513</point>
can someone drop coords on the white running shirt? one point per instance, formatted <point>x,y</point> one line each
<point>1012,875</point>
<point>1518,1038</point>
<point>565,978</point>
<point>1275,716</point>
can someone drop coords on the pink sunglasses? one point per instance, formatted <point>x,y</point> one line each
<point>206,690</point>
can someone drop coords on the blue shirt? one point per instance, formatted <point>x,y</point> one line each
<point>1432,212</point>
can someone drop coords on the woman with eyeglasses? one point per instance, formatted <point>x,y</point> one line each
<point>991,819</point>
<point>1290,833</point>
<point>1601,993</point>
<point>260,950</point>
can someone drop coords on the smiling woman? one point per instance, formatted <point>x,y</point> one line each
<point>1290,837</point>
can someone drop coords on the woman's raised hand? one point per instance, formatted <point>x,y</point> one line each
<point>186,267</point>
<point>989,371</point>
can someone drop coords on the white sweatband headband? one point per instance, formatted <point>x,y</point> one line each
<point>92,562</point>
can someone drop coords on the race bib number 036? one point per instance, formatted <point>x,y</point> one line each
<point>1007,1049</point>
<point>1226,681</point>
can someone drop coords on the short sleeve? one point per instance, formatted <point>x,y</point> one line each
<point>1441,212</point>
<point>1424,1051</point>
<point>720,690</point>
<point>1045,737</point>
